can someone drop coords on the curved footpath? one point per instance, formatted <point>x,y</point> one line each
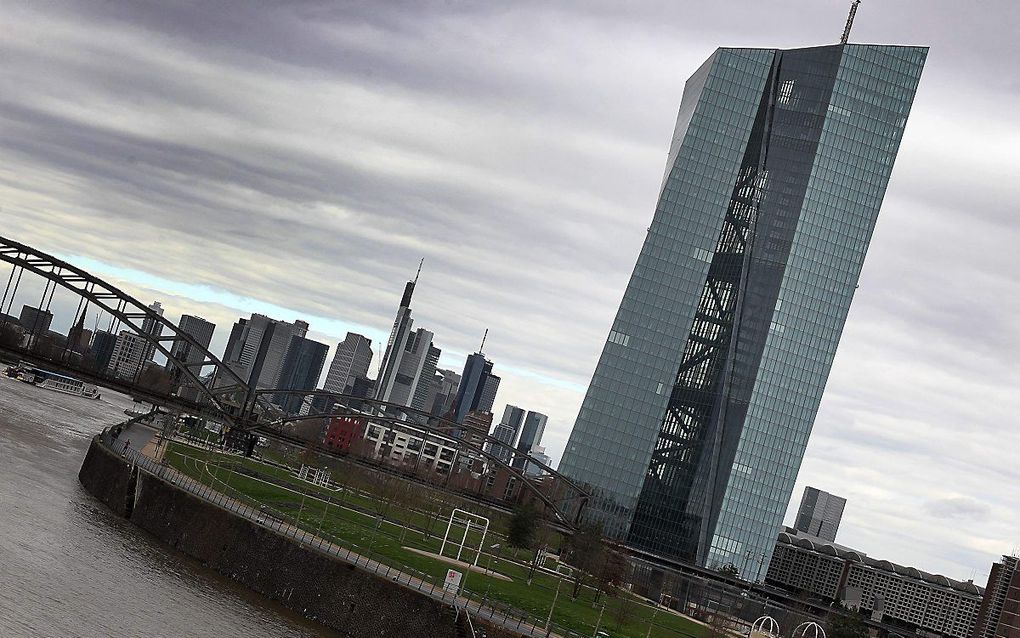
<point>323,581</point>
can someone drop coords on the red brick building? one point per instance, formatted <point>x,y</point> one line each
<point>342,431</point>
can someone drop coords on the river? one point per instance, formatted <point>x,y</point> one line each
<point>69,567</point>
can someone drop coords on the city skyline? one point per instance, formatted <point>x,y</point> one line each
<point>544,329</point>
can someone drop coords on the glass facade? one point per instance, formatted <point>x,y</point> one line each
<point>698,413</point>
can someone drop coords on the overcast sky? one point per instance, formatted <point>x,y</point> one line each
<point>298,159</point>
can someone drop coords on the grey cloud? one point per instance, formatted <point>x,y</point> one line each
<point>955,508</point>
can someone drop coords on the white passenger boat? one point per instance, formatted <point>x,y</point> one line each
<point>57,382</point>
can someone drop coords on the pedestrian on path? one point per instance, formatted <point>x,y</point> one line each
<point>124,451</point>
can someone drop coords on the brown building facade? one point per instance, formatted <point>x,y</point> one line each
<point>999,616</point>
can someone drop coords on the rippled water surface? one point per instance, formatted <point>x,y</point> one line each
<point>70,567</point>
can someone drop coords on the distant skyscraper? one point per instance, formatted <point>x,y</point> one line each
<point>531,437</point>
<point>444,392</point>
<point>478,387</point>
<point>301,369</point>
<point>153,328</point>
<point>257,347</point>
<point>389,367</point>
<point>103,345</point>
<point>34,320</point>
<point>506,432</point>
<point>129,354</point>
<point>537,454</point>
<point>999,616</point>
<point>699,410</point>
<point>352,358</point>
<point>198,329</point>
<point>415,367</point>
<point>820,513</point>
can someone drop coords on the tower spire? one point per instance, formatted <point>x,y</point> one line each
<point>481,348</point>
<point>420,264</point>
<point>849,22</point>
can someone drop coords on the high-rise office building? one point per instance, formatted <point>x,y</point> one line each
<point>478,386</point>
<point>444,393</point>
<point>302,366</point>
<point>414,369</point>
<point>506,432</point>
<point>699,410</point>
<point>198,329</point>
<point>35,320</point>
<point>531,437</point>
<point>257,347</point>
<point>999,615</point>
<point>819,514</point>
<point>537,454</point>
<point>129,354</point>
<point>389,367</point>
<point>152,327</point>
<point>352,358</point>
<point>103,345</point>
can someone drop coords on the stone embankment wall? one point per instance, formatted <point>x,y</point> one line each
<point>109,478</point>
<point>342,596</point>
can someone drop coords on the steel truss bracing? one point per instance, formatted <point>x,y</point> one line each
<point>674,502</point>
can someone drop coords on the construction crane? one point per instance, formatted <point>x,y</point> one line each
<point>850,22</point>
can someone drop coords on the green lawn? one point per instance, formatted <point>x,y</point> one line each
<point>369,525</point>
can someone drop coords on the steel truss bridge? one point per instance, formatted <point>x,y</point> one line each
<point>203,385</point>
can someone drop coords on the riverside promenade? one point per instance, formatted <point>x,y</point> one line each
<point>142,456</point>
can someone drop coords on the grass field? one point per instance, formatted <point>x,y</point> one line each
<point>384,527</point>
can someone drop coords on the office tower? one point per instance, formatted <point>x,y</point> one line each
<point>506,432</point>
<point>352,357</point>
<point>444,393</point>
<point>477,390</point>
<point>152,327</point>
<point>198,329</point>
<point>257,347</point>
<point>389,367</point>
<point>537,454</point>
<point>129,354</point>
<point>302,366</point>
<point>820,513</point>
<point>34,320</point>
<point>103,345</point>
<point>999,614</point>
<point>699,410</point>
<point>414,367</point>
<point>531,437</point>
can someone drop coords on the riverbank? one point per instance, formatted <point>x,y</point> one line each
<point>312,580</point>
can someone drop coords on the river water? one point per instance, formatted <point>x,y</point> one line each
<point>69,567</point>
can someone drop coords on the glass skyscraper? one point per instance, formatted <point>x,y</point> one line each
<point>697,416</point>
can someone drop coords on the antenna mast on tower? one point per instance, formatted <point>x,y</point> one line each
<point>417,274</point>
<point>850,22</point>
<point>481,348</point>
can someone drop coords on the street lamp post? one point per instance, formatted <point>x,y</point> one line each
<point>548,621</point>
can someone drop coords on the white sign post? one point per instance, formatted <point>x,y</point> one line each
<point>452,583</point>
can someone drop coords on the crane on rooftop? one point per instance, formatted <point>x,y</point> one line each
<point>850,21</point>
